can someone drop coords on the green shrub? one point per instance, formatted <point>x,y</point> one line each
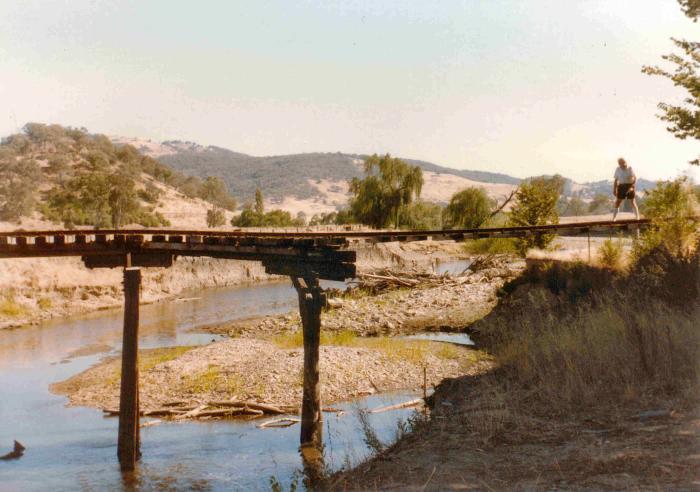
<point>536,204</point>
<point>610,254</point>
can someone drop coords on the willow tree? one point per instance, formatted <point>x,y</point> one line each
<point>468,209</point>
<point>684,118</point>
<point>390,185</point>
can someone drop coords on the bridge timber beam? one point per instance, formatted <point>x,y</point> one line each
<point>312,299</point>
<point>128,442</point>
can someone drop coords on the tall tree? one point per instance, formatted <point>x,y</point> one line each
<point>259,202</point>
<point>684,118</point>
<point>468,209</point>
<point>390,184</point>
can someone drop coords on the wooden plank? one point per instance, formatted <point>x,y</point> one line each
<point>161,260</point>
<point>128,446</point>
<point>326,271</point>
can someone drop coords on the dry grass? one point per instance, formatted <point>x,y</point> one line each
<point>575,340</point>
<point>211,380</point>
<point>11,308</point>
<point>148,359</point>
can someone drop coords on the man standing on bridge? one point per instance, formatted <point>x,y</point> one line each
<point>623,187</point>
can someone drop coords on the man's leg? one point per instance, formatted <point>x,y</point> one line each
<point>636,209</point>
<point>617,208</point>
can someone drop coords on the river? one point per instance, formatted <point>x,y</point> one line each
<point>73,448</point>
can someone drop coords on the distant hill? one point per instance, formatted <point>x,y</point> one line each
<point>318,182</point>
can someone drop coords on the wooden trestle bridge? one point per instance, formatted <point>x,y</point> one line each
<point>306,257</point>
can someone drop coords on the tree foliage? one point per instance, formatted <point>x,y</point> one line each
<point>422,215</point>
<point>691,8</point>
<point>684,119</point>
<point>671,207</point>
<point>215,217</point>
<point>389,185</point>
<point>468,209</point>
<point>600,204</point>
<point>255,216</point>
<point>329,218</point>
<point>99,200</point>
<point>214,190</point>
<point>536,204</point>
<point>18,178</point>
<point>90,180</point>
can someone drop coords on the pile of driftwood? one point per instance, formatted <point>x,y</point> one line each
<point>385,280</point>
<point>181,410</point>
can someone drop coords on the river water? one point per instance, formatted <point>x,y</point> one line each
<point>75,448</point>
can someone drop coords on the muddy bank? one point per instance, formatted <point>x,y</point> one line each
<point>37,289</point>
<point>271,372</point>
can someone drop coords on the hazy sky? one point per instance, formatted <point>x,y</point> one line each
<point>522,87</point>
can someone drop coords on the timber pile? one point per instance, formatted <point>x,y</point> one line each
<point>385,280</point>
<point>183,410</point>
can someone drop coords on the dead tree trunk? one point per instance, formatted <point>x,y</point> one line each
<point>311,301</point>
<point>128,447</point>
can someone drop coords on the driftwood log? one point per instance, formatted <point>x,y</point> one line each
<point>406,404</point>
<point>182,410</point>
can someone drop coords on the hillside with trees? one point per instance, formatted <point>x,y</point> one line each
<point>309,176</point>
<point>70,177</point>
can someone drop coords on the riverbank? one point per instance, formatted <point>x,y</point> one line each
<point>38,289</point>
<point>594,387</point>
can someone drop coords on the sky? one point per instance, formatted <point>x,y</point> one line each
<point>512,86</point>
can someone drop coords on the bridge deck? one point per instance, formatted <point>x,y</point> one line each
<point>320,254</point>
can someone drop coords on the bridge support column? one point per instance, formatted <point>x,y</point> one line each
<point>311,301</point>
<point>129,446</point>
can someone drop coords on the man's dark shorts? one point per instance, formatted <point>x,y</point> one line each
<point>625,192</point>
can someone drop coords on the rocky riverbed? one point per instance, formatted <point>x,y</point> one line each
<point>361,353</point>
<point>444,303</point>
